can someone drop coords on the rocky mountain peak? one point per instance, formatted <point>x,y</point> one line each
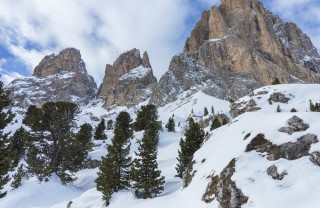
<point>128,81</point>
<point>61,77</point>
<point>235,48</point>
<point>68,60</point>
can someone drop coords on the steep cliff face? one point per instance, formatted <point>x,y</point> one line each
<point>61,77</point>
<point>128,81</point>
<point>235,48</point>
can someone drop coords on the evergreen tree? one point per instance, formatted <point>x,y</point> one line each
<point>109,125</point>
<point>53,147</point>
<point>145,115</point>
<point>212,110</point>
<point>17,178</point>
<point>194,137</point>
<point>99,132</point>
<point>293,110</point>
<point>81,148</point>
<point>215,124</point>
<point>147,120</point>
<point>205,111</point>
<point>183,159</point>
<point>106,181</point>
<point>148,181</point>
<point>171,125</point>
<point>114,171</point>
<point>6,116</point>
<point>17,145</point>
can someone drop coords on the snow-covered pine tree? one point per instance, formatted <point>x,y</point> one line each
<point>148,181</point>
<point>6,117</point>
<point>99,132</point>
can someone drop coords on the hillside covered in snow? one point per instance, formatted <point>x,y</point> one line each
<point>261,158</point>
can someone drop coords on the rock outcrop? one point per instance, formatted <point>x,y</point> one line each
<point>237,109</point>
<point>128,81</point>
<point>235,48</point>
<point>224,189</point>
<point>289,151</point>
<point>295,125</point>
<point>273,172</point>
<point>61,77</point>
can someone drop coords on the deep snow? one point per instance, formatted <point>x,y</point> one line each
<point>298,189</point>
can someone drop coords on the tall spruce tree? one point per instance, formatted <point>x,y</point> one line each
<point>17,145</point>
<point>114,171</point>
<point>147,120</point>
<point>99,132</point>
<point>171,125</point>
<point>106,182</point>
<point>53,146</point>
<point>194,137</point>
<point>205,111</point>
<point>148,181</point>
<point>6,116</point>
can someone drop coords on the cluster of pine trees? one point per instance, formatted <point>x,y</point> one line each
<point>50,146</point>
<point>118,170</point>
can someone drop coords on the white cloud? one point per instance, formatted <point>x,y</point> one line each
<point>101,29</point>
<point>7,77</point>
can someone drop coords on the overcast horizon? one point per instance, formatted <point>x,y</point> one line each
<point>101,30</point>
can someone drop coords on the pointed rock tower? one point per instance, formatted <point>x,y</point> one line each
<point>128,81</point>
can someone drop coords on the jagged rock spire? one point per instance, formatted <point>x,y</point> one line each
<point>128,81</point>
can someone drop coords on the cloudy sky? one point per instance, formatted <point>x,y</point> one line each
<point>102,29</point>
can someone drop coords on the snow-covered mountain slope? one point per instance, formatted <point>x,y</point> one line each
<point>246,177</point>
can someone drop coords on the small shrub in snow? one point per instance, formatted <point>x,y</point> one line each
<point>293,110</point>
